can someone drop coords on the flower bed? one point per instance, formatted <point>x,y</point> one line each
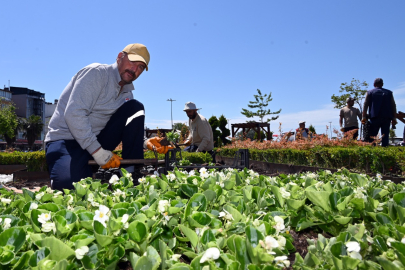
<point>206,220</point>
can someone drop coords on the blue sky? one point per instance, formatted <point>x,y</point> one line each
<point>214,53</point>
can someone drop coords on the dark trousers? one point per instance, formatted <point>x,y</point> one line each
<point>68,162</point>
<point>355,135</point>
<point>378,123</point>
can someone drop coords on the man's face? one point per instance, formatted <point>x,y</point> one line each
<point>302,125</point>
<point>350,103</point>
<point>191,114</point>
<point>129,71</point>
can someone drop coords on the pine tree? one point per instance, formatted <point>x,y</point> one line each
<point>260,103</point>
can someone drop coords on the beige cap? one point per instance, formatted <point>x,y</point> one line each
<point>137,52</point>
<point>190,106</point>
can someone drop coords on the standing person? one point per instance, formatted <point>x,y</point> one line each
<point>95,112</point>
<point>200,138</point>
<point>302,131</point>
<point>382,110</point>
<point>350,114</point>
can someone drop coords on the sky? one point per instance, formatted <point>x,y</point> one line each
<point>213,53</point>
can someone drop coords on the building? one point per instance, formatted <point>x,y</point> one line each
<point>28,102</point>
<point>49,110</point>
<point>5,97</point>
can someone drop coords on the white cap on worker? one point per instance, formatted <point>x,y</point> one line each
<point>190,106</point>
<point>301,122</point>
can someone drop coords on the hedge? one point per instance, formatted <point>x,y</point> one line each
<point>361,159</point>
<point>35,161</point>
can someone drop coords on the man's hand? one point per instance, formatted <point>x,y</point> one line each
<point>342,129</point>
<point>106,159</point>
<point>363,121</point>
<point>154,144</point>
<point>187,143</point>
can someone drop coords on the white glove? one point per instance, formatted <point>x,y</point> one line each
<point>102,156</point>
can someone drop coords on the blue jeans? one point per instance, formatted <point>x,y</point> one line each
<point>378,123</point>
<point>68,162</point>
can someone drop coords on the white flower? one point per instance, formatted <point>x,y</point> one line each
<point>203,170</point>
<point>379,176</point>
<point>44,217</point>
<point>80,252</point>
<point>33,206</point>
<point>256,223</point>
<point>281,241</point>
<point>49,190</point>
<point>370,239</point>
<point>403,240</point>
<point>70,201</point>
<point>319,184</point>
<point>247,181</point>
<point>390,240</point>
<point>163,204</point>
<point>292,184</point>
<point>195,181</point>
<point>114,179</point>
<point>328,172</point>
<point>285,194</point>
<point>129,175</point>
<point>355,255</point>
<point>171,177</point>
<point>142,180</point>
<point>166,218</point>
<point>101,215</point>
<point>7,223</point>
<point>175,257</point>
<point>311,175</point>
<point>39,196</point>
<point>353,246</point>
<point>124,220</point>
<point>191,173</point>
<point>279,224</point>
<point>47,227</point>
<point>153,176</point>
<point>282,261</point>
<point>269,243</point>
<point>118,193</point>
<point>6,201</point>
<point>210,254</point>
<point>57,194</point>
<point>225,215</point>
<point>145,207</point>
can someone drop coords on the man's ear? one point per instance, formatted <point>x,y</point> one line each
<point>120,56</point>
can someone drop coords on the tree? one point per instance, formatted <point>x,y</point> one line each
<point>225,132</point>
<point>8,122</point>
<point>260,103</point>
<point>32,129</point>
<point>356,90</point>
<point>312,129</point>
<point>216,133</point>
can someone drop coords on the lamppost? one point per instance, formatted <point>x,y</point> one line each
<point>330,127</point>
<point>171,109</point>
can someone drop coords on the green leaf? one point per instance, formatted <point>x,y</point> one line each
<point>6,256</point>
<point>319,198</point>
<point>101,234</point>
<point>180,266</point>
<point>149,262</point>
<point>241,252</point>
<point>23,261</point>
<point>235,213</point>
<point>137,231</point>
<point>58,249</point>
<point>188,190</point>
<point>384,219</point>
<point>276,191</point>
<point>197,203</point>
<point>338,249</point>
<point>360,181</point>
<point>208,236</point>
<point>199,220</point>
<point>14,237</point>
<point>38,256</point>
<point>190,234</point>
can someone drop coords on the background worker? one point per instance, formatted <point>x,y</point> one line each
<point>95,112</point>
<point>382,110</point>
<point>302,131</point>
<point>200,138</point>
<point>350,115</point>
